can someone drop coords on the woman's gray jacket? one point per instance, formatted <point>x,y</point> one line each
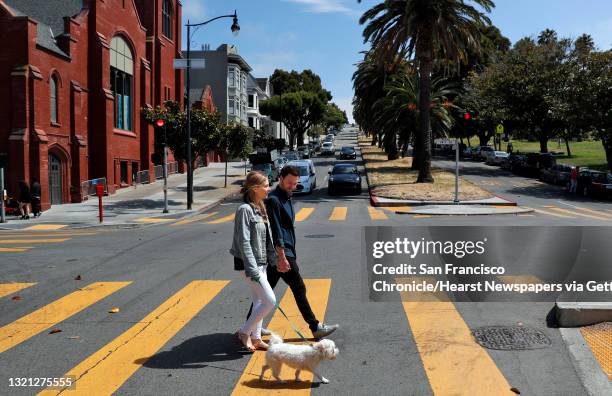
<point>250,243</point>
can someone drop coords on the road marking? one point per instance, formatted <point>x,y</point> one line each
<point>451,358</point>
<point>107,369</point>
<point>45,227</point>
<point>550,213</point>
<point>34,240</point>
<point>15,250</point>
<point>526,215</point>
<point>303,214</point>
<point>222,219</point>
<point>152,220</point>
<point>339,213</point>
<point>194,219</point>
<point>317,291</point>
<point>599,338</point>
<point>10,288</point>
<point>51,314</point>
<point>376,214</point>
<point>394,209</point>
<point>420,216</point>
<point>587,210</point>
<point>514,279</point>
<point>580,214</point>
<point>37,235</point>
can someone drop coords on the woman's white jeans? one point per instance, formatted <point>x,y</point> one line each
<point>263,302</point>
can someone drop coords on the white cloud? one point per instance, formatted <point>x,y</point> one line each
<point>193,9</point>
<point>325,6</point>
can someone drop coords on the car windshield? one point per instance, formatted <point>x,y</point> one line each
<point>600,177</point>
<point>347,149</point>
<point>303,170</point>
<point>327,144</point>
<point>342,170</point>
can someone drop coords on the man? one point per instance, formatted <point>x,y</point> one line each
<point>281,215</point>
<point>574,179</point>
<point>35,190</point>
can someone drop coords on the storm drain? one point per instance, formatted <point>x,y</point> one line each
<point>319,236</point>
<point>510,338</point>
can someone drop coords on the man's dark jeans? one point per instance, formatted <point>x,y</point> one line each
<point>296,284</point>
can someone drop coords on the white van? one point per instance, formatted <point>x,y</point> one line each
<point>308,176</point>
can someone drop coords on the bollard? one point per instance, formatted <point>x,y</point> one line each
<point>100,193</point>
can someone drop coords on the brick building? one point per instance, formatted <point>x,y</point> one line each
<point>74,76</point>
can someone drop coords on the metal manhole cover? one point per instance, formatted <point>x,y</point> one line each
<point>319,236</point>
<point>510,338</point>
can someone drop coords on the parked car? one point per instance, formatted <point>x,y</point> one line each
<point>330,137</point>
<point>268,170</point>
<point>484,152</point>
<point>556,174</point>
<point>328,148</point>
<point>314,146</point>
<point>594,184</point>
<point>516,162</point>
<point>307,181</point>
<point>292,155</point>
<point>348,152</point>
<point>342,177</point>
<point>303,152</point>
<point>468,152</point>
<point>496,157</point>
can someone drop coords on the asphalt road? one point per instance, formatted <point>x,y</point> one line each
<point>179,302</point>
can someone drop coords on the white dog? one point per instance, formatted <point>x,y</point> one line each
<point>299,357</point>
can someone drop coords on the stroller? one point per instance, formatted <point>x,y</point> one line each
<point>11,207</point>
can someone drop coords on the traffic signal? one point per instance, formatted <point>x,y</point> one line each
<point>466,116</point>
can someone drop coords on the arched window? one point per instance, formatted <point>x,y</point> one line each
<point>122,76</point>
<point>53,95</point>
<point>167,18</point>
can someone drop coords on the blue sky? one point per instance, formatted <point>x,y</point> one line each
<point>325,36</point>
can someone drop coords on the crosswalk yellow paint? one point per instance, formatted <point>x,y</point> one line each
<point>339,213</point>
<point>15,249</point>
<point>303,214</point>
<point>421,216</point>
<point>454,363</point>
<point>599,213</point>
<point>574,213</point>
<point>106,370</point>
<point>153,220</point>
<point>194,219</point>
<point>17,241</point>
<point>10,288</point>
<point>394,209</point>
<point>222,219</point>
<point>376,214</point>
<point>550,213</point>
<point>55,312</point>
<point>42,234</point>
<point>46,227</point>
<point>317,291</point>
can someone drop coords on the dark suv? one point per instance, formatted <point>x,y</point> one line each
<point>348,152</point>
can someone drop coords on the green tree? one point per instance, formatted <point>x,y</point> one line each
<point>235,142</point>
<point>333,117</point>
<point>431,30</point>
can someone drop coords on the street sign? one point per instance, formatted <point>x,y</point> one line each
<point>195,63</point>
<point>500,129</point>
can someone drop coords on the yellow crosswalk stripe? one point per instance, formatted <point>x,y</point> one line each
<point>420,216</point>
<point>49,315</point>
<point>41,234</point>
<point>526,215</point>
<point>10,288</point>
<point>15,250</point>
<point>454,363</point>
<point>303,214</point>
<point>317,291</point>
<point>222,219</point>
<point>571,212</point>
<point>376,214</point>
<point>153,220</point>
<point>46,227</point>
<point>550,213</point>
<point>194,219</point>
<point>514,279</point>
<point>594,211</point>
<point>57,240</point>
<point>106,370</point>
<point>339,213</point>
<point>394,209</point>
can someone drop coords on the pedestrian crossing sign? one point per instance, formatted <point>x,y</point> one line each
<point>500,129</point>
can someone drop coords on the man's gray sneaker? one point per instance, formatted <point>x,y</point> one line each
<point>324,330</point>
<point>265,332</point>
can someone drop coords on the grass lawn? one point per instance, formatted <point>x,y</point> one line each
<point>586,153</point>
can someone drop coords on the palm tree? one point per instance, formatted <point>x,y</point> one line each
<point>429,29</point>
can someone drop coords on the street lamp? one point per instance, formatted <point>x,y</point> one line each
<point>162,124</point>
<point>235,29</point>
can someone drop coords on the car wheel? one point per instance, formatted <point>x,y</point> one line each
<point>330,191</point>
<point>586,191</point>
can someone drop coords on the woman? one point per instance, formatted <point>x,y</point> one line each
<point>253,249</point>
<point>25,198</point>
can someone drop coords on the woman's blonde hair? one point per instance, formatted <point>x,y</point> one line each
<point>254,179</point>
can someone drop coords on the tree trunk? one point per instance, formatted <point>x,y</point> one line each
<point>291,140</point>
<point>416,152</point>
<point>391,146</point>
<point>544,144</point>
<point>425,66</point>
<point>374,139</point>
<point>607,143</point>
<point>300,139</point>
<point>569,153</point>
<point>468,139</point>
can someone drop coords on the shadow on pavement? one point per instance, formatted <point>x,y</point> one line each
<point>141,204</point>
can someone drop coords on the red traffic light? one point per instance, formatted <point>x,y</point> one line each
<point>466,116</point>
<point>160,123</point>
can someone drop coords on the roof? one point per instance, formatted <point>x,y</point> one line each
<point>263,83</point>
<point>50,17</point>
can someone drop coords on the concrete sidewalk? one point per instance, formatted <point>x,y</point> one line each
<point>144,203</point>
